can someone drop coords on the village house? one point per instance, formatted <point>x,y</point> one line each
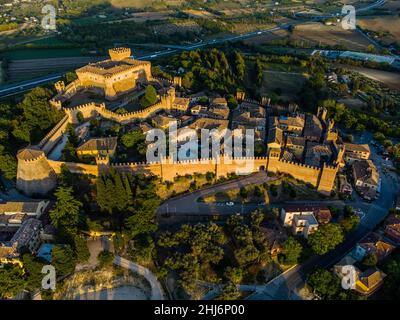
<point>372,244</point>
<point>356,152</point>
<point>13,213</point>
<point>250,115</point>
<point>103,147</point>
<point>275,138</point>
<point>293,124</point>
<point>317,153</point>
<point>366,178</point>
<point>341,268</point>
<point>163,122</point>
<point>392,228</point>
<point>301,219</point>
<point>369,281</point>
<point>27,238</point>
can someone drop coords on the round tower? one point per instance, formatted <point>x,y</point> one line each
<point>34,173</point>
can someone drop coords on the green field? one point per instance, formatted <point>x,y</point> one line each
<point>288,83</point>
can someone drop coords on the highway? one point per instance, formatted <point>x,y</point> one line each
<point>13,89</point>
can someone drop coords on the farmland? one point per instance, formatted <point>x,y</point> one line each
<point>30,68</point>
<point>319,34</point>
<point>386,28</point>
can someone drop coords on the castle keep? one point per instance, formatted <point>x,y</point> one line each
<point>120,75</point>
<point>115,76</point>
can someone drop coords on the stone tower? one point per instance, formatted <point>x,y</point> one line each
<point>322,113</point>
<point>327,179</point>
<point>60,86</point>
<point>240,95</point>
<point>118,54</point>
<point>265,101</point>
<point>34,173</point>
<point>178,81</point>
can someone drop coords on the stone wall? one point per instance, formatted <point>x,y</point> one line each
<point>92,109</point>
<point>53,137</point>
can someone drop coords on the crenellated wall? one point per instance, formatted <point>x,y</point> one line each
<point>299,171</point>
<point>53,137</point>
<point>92,109</point>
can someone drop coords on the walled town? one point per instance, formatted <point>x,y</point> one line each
<point>203,150</point>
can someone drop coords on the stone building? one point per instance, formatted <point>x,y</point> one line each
<point>115,76</point>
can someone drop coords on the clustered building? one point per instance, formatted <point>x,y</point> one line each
<point>305,146</point>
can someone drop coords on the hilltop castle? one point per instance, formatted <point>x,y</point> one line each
<point>121,75</point>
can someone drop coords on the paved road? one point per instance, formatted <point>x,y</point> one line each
<point>157,292</point>
<point>27,85</point>
<point>188,204</point>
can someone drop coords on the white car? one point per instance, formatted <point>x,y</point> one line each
<point>230,203</point>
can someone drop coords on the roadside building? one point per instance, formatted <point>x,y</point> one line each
<point>300,219</point>
<point>356,152</point>
<point>366,178</point>
<point>369,281</point>
<point>32,208</point>
<point>372,244</point>
<point>392,228</point>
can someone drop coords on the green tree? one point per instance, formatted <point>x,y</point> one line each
<point>105,258</point>
<point>257,217</point>
<point>240,66</point>
<point>132,138</point>
<point>143,220</point>
<point>259,72</point>
<point>12,280</point>
<point>65,214</point>
<point>326,238</point>
<point>291,251</point>
<point>349,223</point>
<point>81,249</point>
<point>370,260</point>
<point>150,97</point>
<point>324,283</point>
<point>234,275</point>
<point>229,292</point>
<point>33,268</point>
<point>63,260</point>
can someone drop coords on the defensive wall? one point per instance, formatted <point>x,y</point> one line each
<point>31,181</point>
